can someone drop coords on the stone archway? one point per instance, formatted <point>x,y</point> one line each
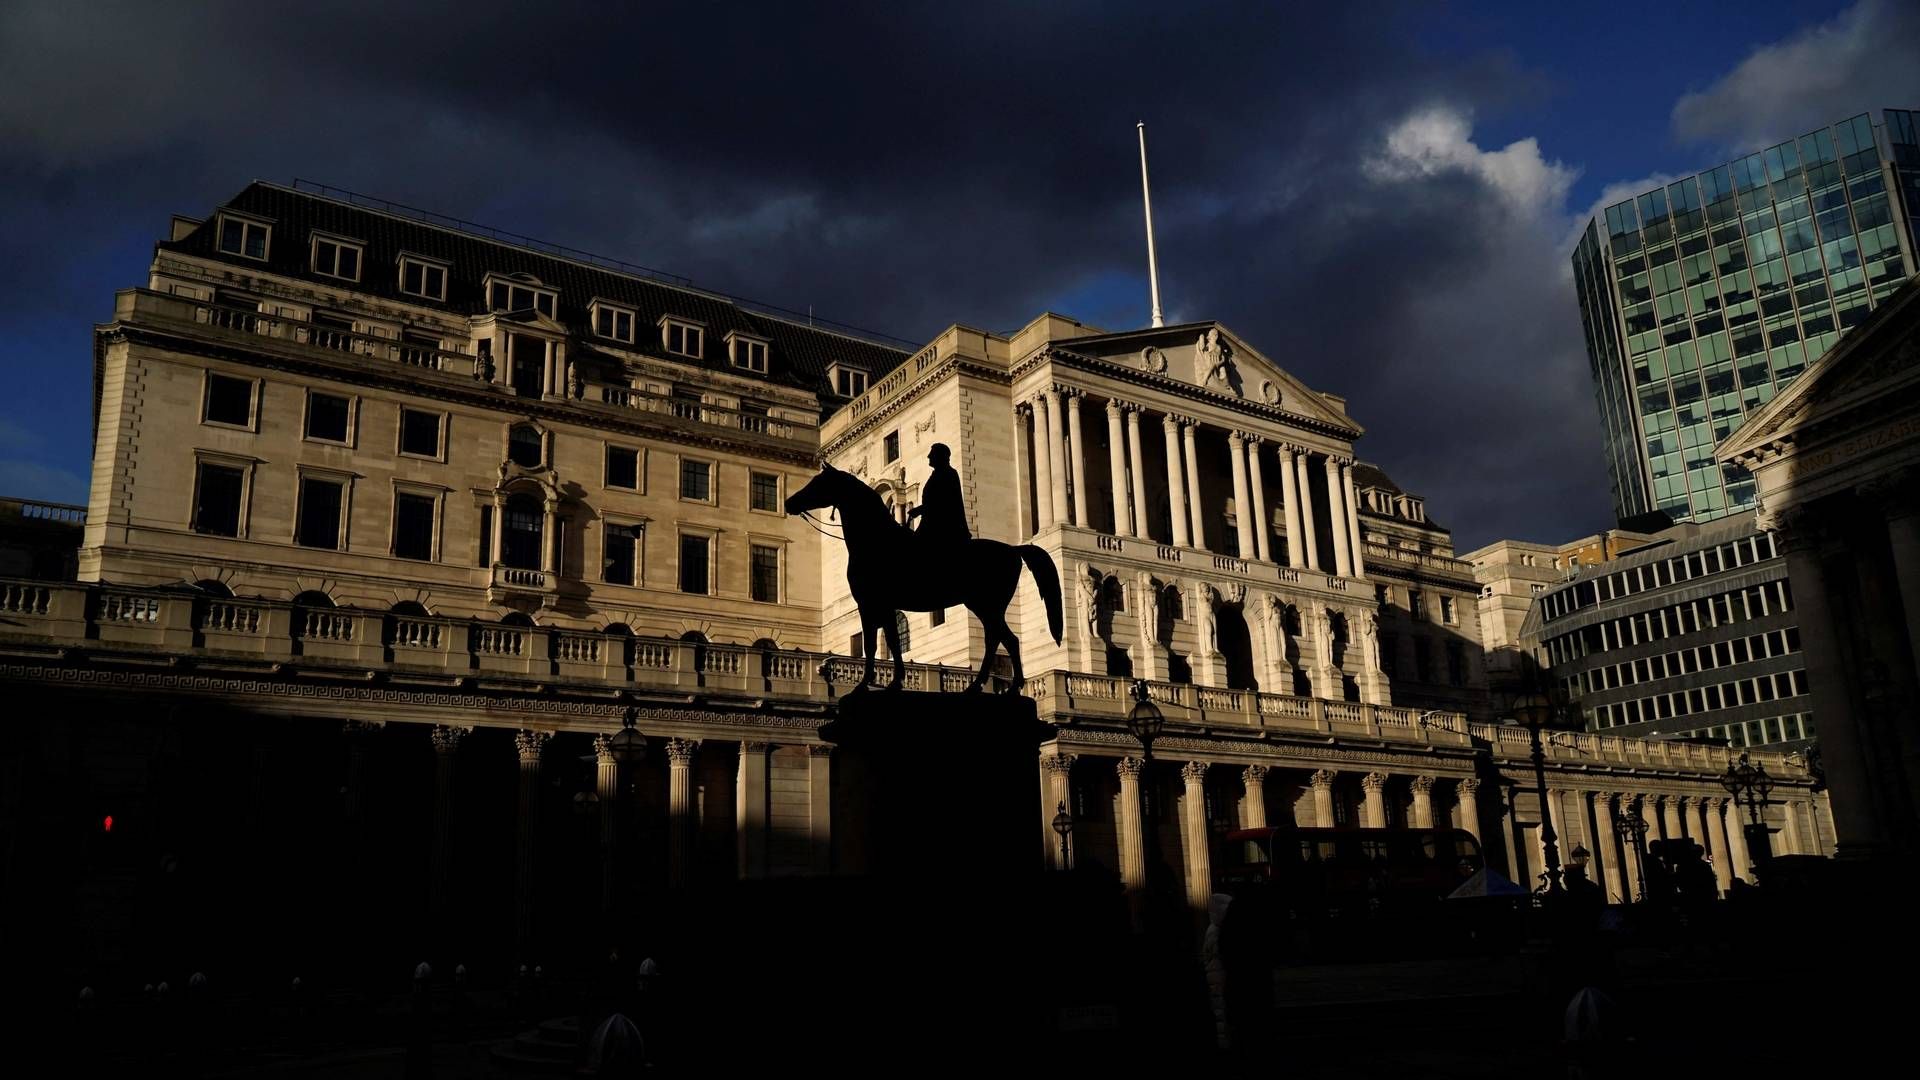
<point>1236,647</point>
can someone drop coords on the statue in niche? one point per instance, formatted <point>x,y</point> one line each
<point>1090,598</point>
<point>1370,634</point>
<point>576,386</point>
<point>1215,358</point>
<point>1149,593</point>
<point>1209,620</point>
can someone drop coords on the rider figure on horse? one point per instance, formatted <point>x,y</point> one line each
<point>943,517</point>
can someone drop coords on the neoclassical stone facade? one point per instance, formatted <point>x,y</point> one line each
<point>1837,461</point>
<point>443,524</point>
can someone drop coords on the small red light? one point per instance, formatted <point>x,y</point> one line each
<point>106,823</point>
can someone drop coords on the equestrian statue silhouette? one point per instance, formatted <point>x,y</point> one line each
<point>892,568</point>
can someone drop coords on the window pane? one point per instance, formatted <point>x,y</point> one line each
<point>521,532</point>
<point>413,527</point>
<point>217,512</point>
<point>619,555</point>
<point>229,400</point>
<point>349,263</point>
<point>319,514</point>
<point>623,467</point>
<point>766,573</point>
<point>766,491</point>
<point>523,447</point>
<point>693,564</point>
<point>327,417</point>
<point>695,480</point>
<point>231,235</point>
<point>420,432</point>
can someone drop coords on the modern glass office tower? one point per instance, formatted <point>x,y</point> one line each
<point>1702,299</point>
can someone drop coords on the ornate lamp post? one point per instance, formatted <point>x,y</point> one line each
<point>1633,832</point>
<point>1535,709</point>
<point>1144,722</point>
<point>1063,825</point>
<point>1749,783</point>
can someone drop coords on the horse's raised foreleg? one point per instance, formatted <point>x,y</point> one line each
<point>892,630</point>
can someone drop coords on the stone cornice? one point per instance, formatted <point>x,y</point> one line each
<point>1180,388</point>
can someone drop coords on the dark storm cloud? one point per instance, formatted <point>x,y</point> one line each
<point>1317,185</point>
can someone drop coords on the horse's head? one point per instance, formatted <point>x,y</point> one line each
<point>820,492</point>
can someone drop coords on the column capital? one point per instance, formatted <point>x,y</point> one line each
<point>1171,422</point>
<point>360,729</point>
<point>1129,768</point>
<point>1236,438</point>
<point>1423,785</point>
<point>1194,772</point>
<point>1038,403</point>
<point>1322,779</point>
<point>1254,775</point>
<point>1058,763</point>
<point>1023,408</point>
<point>680,751</point>
<point>1116,407</point>
<point>1374,781</point>
<point>1065,391</point>
<point>757,747</point>
<point>1601,798</point>
<point>529,744</point>
<point>1253,439</point>
<point>1468,786</point>
<point>446,738</point>
<point>603,749</point>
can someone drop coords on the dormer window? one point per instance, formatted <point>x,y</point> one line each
<point>421,278</point>
<point>519,293</point>
<point>847,381</point>
<point>749,353</point>
<point>683,338</point>
<point>336,258</point>
<point>241,236</point>
<point>613,321</point>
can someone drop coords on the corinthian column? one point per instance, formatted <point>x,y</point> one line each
<point>1139,473</point>
<point>1043,464</point>
<point>1311,541</point>
<point>1262,526</point>
<point>1117,469</point>
<point>1056,430</point>
<point>1022,460</point>
<point>1423,802</point>
<point>1353,522</point>
<point>679,810</point>
<point>1322,782</point>
<point>1059,793</point>
<point>446,740</point>
<point>1077,453</point>
<point>1133,843</point>
<point>1717,842</point>
<point>606,774</point>
<point>1254,814</point>
<point>1607,839</point>
<point>1468,793</point>
<point>1337,520</point>
<point>1199,858</point>
<point>528,744</point>
<point>1242,498</point>
<point>1290,494</point>
<point>1374,784</point>
<point>1193,489</point>
<point>1176,481</point>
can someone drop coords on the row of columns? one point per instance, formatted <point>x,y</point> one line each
<point>529,745</point>
<point>1059,466</point>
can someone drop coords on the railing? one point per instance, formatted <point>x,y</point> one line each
<point>1168,553</point>
<point>700,412</point>
<point>1421,558</point>
<point>416,633</point>
<point>499,640</point>
<point>324,625</point>
<point>20,598</point>
<point>230,617</point>
<point>1109,543</point>
<point>57,513</point>
<point>337,339</point>
<point>160,622</point>
<point>1228,562</point>
<point>517,578</point>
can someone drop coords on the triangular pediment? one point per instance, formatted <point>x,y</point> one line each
<point>1878,357</point>
<point>1218,362</point>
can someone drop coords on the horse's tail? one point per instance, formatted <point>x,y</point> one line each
<point>1045,575</point>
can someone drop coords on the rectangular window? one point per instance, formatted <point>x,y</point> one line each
<point>766,491</point>
<point>423,279</point>
<point>507,296</point>
<point>751,355</point>
<point>216,508</point>
<point>892,445</point>
<point>320,504</point>
<point>849,382</point>
<point>229,400</point>
<point>413,526</point>
<point>766,573</point>
<point>620,561</point>
<point>613,322</point>
<point>527,359</point>
<point>623,467</point>
<point>696,480</point>
<point>240,237</point>
<point>328,416</point>
<point>685,340</point>
<point>336,258</point>
<point>1446,609</point>
<point>937,617</point>
<point>1417,604</point>
<point>694,563</point>
<point>419,433</point>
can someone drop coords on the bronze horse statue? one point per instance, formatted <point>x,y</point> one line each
<point>890,568</point>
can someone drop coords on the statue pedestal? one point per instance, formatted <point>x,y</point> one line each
<point>937,788</point>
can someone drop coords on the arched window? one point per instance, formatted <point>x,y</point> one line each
<point>524,446</point>
<point>214,588</point>
<point>313,598</point>
<point>410,607</point>
<point>517,618</point>
<point>618,629</point>
<point>522,530</point>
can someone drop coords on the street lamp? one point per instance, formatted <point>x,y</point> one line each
<point>1535,709</point>
<point>1632,829</point>
<point>1063,825</point>
<point>628,744</point>
<point>1749,783</point>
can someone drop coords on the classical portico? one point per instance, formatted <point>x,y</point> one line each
<point>1836,460</point>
